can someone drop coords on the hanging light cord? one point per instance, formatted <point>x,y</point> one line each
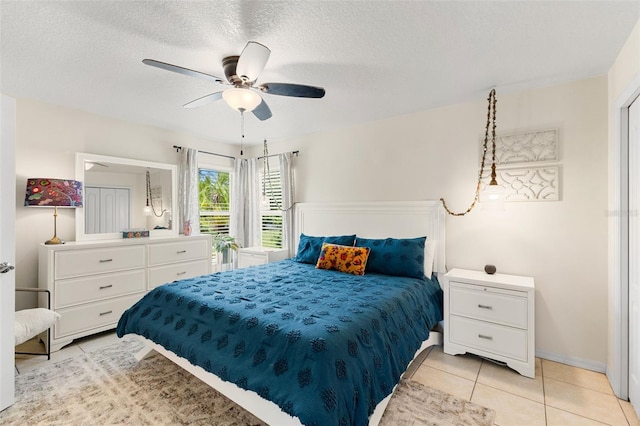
<point>148,187</point>
<point>267,175</point>
<point>491,121</point>
<point>153,209</point>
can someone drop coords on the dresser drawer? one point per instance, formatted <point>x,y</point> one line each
<point>159,275</point>
<point>497,339</point>
<point>178,251</point>
<point>493,305</point>
<point>85,317</point>
<point>76,263</point>
<point>73,291</point>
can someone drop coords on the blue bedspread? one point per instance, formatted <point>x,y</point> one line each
<point>323,345</point>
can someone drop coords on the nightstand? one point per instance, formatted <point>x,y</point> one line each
<point>491,316</point>
<point>251,256</point>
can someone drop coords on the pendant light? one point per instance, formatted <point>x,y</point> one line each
<point>493,194</point>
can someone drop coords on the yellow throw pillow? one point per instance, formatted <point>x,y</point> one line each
<point>351,260</point>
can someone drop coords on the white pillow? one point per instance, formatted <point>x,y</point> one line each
<point>30,322</point>
<point>429,255</point>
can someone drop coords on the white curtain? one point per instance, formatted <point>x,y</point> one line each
<point>238,183</point>
<point>244,224</point>
<point>253,236</point>
<point>288,199</point>
<point>188,190</point>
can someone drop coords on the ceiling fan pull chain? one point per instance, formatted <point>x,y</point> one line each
<point>241,133</point>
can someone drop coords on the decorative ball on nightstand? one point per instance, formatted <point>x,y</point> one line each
<point>490,269</point>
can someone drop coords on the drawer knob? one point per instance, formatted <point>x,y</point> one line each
<point>106,260</point>
<point>102,287</point>
<point>485,337</point>
<point>485,307</point>
<point>181,273</point>
<point>105,313</point>
<point>181,251</point>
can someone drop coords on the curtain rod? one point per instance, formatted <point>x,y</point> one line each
<point>273,155</point>
<point>178,148</point>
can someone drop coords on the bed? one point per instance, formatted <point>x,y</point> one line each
<point>294,344</point>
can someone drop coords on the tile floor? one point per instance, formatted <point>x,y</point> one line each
<point>560,395</point>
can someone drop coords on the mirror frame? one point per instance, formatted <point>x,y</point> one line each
<point>82,157</point>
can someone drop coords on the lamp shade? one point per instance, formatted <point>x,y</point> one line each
<point>241,99</point>
<point>45,192</point>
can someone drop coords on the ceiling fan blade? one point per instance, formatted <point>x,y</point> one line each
<point>252,61</point>
<point>204,100</point>
<point>182,70</point>
<point>262,111</point>
<point>296,90</point>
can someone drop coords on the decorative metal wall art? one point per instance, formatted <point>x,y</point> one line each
<point>527,165</point>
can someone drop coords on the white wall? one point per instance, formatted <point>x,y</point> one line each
<point>623,78</point>
<point>433,154</point>
<point>414,157</point>
<point>47,139</point>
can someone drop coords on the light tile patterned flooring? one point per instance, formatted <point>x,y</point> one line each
<point>560,395</point>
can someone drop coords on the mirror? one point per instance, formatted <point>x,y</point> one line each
<point>116,193</point>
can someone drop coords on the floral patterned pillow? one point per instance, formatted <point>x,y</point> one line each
<point>351,260</point>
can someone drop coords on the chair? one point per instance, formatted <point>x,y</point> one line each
<point>31,322</point>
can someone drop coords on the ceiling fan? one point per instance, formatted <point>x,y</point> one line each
<point>241,72</point>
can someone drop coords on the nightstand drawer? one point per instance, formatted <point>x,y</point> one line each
<point>252,256</point>
<point>492,305</point>
<point>250,259</point>
<point>497,339</point>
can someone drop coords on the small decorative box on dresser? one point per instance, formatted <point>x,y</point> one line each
<point>93,283</point>
<point>250,256</point>
<point>491,316</point>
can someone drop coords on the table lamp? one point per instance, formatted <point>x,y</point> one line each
<point>45,192</point>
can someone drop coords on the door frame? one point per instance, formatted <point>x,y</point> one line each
<point>619,272</point>
<point>7,249</point>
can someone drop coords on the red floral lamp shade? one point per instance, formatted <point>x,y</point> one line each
<point>42,192</point>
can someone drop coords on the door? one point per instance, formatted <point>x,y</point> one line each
<point>106,209</point>
<point>634,254</point>
<point>91,210</point>
<point>7,248</point>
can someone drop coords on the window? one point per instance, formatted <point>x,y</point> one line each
<point>271,207</point>
<point>214,201</point>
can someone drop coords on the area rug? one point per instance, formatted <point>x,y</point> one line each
<point>108,387</point>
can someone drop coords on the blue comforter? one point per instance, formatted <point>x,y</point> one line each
<point>324,346</point>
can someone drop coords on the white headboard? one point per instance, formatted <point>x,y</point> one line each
<point>395,219</point>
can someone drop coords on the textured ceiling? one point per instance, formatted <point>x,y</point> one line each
<point>375,59</point>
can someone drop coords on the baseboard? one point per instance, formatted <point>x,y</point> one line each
<point>573,361</point>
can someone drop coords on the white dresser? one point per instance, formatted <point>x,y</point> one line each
<point>491,316</point>
<point>251,256</point>
<point>93,283</point>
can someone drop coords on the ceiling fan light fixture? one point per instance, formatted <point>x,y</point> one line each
<point>241,99</point>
